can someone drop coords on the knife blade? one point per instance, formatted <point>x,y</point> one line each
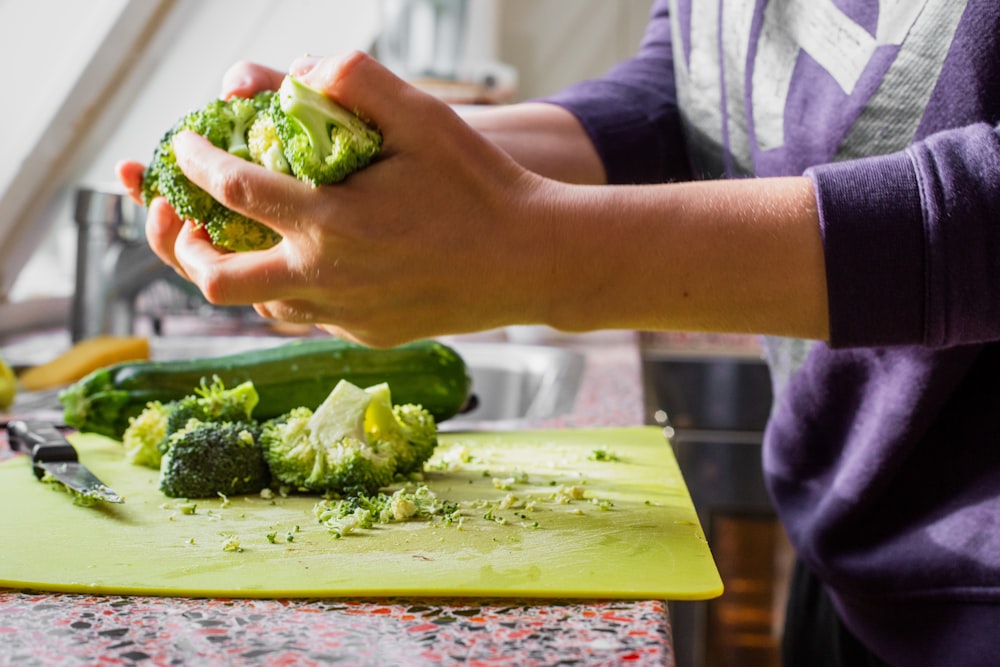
<point>53,455</point>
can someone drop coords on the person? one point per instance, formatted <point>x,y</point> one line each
<point>824,174</point>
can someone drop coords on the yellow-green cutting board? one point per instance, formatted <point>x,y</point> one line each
<point>634,534</point>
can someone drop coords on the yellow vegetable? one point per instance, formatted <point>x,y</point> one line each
<point>86,356</point>
<point>8,385</point>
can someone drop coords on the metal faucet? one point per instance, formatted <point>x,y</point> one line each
<point>113,262</point>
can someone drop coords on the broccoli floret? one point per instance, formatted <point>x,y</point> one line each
<point>148,434</point>
<point>352,444</point>
<point>164,178</point>
<point>411,429</point>
<point>145,434</point>
<point>238,115</point>
<point>213,401</point>
<point>265,145</point>
<point>323,142</point>
<point>208,458</point>
<point>226,125</point>
<point>234,231</point>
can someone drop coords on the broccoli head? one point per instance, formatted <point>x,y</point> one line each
<point>352,444</point>
<point>147,436</point>
<point>226,124</point>
<point>322,141</point>
<point>208,458</point>
<point>326,450</point>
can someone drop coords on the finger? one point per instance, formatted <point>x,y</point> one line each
<point>296,311</point>
<point>334,321</point>
<point>245,79</point>
<point>205,265</point>
<point>130,175</point>
<point>232,278</point>
<point>162,228</point>
<point>277,200</point>
<point>338,332</point>
<point>364,337</point>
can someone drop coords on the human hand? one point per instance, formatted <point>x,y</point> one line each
<point>432,238</point>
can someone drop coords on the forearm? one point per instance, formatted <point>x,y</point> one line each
<point>725,256</point>
<point>543,138</point>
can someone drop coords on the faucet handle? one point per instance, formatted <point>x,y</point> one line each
<point>110,238</point>
<point>109,208</point>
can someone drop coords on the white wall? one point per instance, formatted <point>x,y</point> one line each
<point>553,43</point>
<point>56,60</point>
<point>180,65</point>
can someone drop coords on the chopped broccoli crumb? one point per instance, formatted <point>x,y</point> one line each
<point>231,543</point>
<point>602,454</point>
<point>346,515</point>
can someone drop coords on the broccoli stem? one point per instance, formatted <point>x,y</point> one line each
<point>243,116</point>
<point>316,114</point>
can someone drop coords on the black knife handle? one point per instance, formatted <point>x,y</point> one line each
<point>45,443</point>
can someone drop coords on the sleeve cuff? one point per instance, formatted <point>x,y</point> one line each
<point>873,236</point>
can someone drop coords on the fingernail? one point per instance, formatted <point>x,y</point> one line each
<point>239,79</point>
<point>303,65</point>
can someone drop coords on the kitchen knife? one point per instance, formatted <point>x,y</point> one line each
<point>53,455</point>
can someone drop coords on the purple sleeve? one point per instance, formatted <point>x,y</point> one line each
<point>631,112</point>
<point>915,234</point>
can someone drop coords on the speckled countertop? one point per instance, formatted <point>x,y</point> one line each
<point>63,629</point>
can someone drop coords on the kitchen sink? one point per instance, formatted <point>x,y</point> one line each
<point>510,381</point>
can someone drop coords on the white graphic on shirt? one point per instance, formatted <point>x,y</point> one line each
<point>906,88</point>
<point>711,86</point>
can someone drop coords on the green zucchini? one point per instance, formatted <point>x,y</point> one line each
<point>299,373</point>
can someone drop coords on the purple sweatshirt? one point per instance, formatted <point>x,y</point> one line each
<point>882,454</point>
